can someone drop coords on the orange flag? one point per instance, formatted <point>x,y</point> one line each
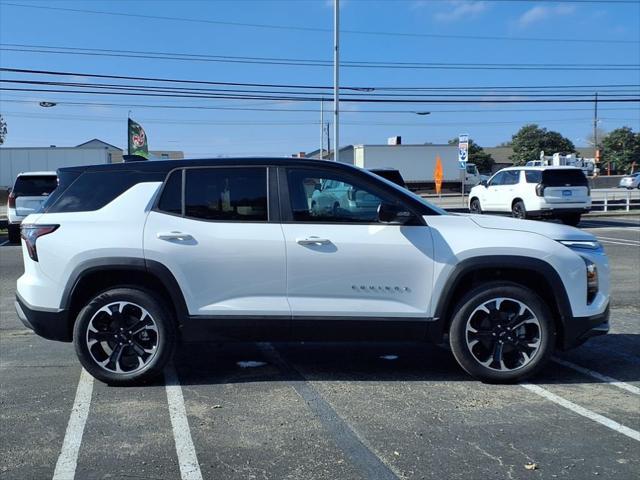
<point>437,174</point>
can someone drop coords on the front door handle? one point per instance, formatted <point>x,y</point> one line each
<point>174,236</point>
<point>312,241</point>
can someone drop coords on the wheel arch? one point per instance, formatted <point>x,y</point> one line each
<point>95,276</point>
<point>518,199</point>
<point>532,273</point>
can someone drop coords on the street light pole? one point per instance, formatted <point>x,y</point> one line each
<point>336,68</point>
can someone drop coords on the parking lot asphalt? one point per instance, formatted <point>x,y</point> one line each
<point>325,411</point>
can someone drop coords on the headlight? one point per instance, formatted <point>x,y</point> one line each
<point>588,244</point>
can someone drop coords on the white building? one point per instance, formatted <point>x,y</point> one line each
<point>29,159</point>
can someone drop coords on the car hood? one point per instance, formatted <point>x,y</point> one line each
<point>554,231</point>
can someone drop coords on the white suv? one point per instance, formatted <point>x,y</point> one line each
<point>27,195</point>
<point>127,259</point>
<point>530,192</point>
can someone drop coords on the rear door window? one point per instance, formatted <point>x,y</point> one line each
<point>226,194</point>
<point>564,178</point>
<point>35,185</point>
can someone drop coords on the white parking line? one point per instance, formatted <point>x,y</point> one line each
<point>4,243</point>
<point>68,459</point>
<point>596,417</point>
<point>609,242</point>
<point>187,458</point>
<point>616,239</point>
<point>604,378</point>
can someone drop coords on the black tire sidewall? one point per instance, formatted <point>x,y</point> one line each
<point>13,233</point>
<point>478,209</point>
<point>164,322</point>
<point>524,210</point>
<point>482,294</point>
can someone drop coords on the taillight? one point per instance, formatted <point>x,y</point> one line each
<point>31,233</point>
<point>11,201</point>
<point>540,190</point>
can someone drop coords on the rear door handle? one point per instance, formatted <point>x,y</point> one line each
<point>174,236</point>
<point>312,241</point>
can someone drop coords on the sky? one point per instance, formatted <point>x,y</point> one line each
<point>600,34</point>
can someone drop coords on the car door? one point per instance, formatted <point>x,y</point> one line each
<point>490,199</point>
<point>213,229</point>
<point>507,190</point>
<point>344,263</point>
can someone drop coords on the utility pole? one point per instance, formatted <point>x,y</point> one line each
<point>336,68</point>
<point>328,139</point>
<point>595,133</point>
<point>321,128</point>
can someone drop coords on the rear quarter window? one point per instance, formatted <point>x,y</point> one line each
<point>533,176</point>
<point>93,190</point>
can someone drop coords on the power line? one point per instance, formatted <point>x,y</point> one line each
<point>300,110</point>
<point>197,91</point>
<point>318,99</point>
<point>326,63</point>
<point>302,86</point>
<point>295,123</point>
<point>327,30</point>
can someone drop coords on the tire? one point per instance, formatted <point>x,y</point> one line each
<point>518,210</point>
<point>508,355</point>
<point>475,207</point>
<point>573,219</point>
<point>124,359</point>
<point>13,230</point>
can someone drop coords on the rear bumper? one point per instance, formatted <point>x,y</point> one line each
<point>50,324</point>
<point>578,330</point>
<point>555,212</point>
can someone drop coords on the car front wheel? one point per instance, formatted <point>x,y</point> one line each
<point>502,332</point>
<point>124,336</point>
<point>475,206</point>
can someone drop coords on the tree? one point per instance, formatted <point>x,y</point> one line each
<point>3,130</point>
<point>477,155</point>
<point>531,140</point>
<point>621,147</point>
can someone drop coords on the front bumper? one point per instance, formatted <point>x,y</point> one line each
<point>577,330</point>
<point>50,324</point>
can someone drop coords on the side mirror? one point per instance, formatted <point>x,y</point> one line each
<point>318,187</point>
<point>393,214</point>
<point>483,183</point>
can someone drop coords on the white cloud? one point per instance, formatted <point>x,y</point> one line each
<point>540,13</point>
<point>460,9</point>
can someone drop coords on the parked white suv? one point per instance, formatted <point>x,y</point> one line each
<point>127,259</point>
<point>27,195</point>
<point>530,192</point>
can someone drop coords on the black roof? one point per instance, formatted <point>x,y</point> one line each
<point>168,165</point>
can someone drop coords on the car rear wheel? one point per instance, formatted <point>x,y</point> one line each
<point>13,231</point>
<point>502,332</point>
<point>124,336</point>
<point>572,220</point>
<point>518,210</point>
<point>475,206</point>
